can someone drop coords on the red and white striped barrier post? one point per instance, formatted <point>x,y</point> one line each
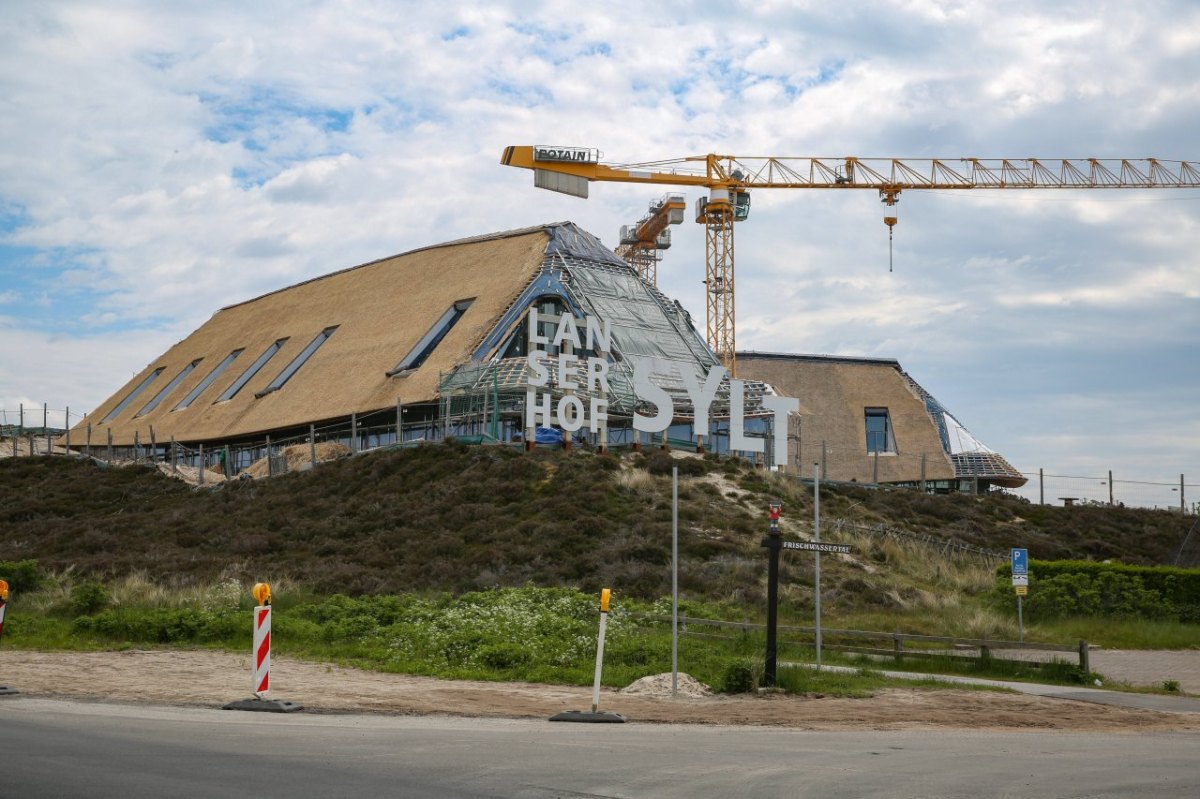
<point>262,650</point>
<point>4,689</point>
<point>3,603</point>
<point>261,679</point>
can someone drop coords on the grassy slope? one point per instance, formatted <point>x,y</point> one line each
<point>456,518</point>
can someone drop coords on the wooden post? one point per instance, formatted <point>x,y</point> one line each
<point>1041,487</point>
<point>46,428</point>
<point>174,456</point>
<point>201,479</point>
<point>399,421</point>
<point>897,646</point>
<point>110,447</point>
<point>312,444</point>
<point>153,445</point>
<point>824,462</point>
<point>354,432</point>
<point>1182,504</point>
<point>1110,491</point>
<point>270,460</point>
<point>137,445</point>
<point>88,448</point>
<point>924,489</point>
<point>875,468</point>
<point>985,651</point>
<point>1084,665</point>
<point>228,461</point>
<point>67,424</point>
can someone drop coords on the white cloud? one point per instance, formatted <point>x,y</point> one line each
<point>164,160</point>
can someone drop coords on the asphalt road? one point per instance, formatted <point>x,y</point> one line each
<point>51,748</point>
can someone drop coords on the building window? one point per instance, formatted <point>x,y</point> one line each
<point>430,340</point>
<point>133,395</point>
<point>298,361</point>
<point>206,382</point>
<point>261,361</point>
<point>879,431</point>
<point>162,395</point>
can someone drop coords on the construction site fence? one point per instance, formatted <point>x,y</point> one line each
<point>40,430</point>
<point>894,645</point>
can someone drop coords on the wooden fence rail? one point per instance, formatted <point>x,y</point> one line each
<point>896,639</point>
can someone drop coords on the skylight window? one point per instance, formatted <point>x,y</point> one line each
<point>133,395</point>
<point>162,395</point>
<point>247,375</point>
<point>206,382</point>
<point>430,340</point>
<point>298,361</point>
<point>879,431</point>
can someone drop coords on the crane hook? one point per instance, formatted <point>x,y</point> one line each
<point>890,221</point>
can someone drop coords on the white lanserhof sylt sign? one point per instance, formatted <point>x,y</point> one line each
<point>591,375</point>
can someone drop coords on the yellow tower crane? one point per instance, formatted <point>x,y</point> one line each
<point>729,179</point>
<point>642,243</point>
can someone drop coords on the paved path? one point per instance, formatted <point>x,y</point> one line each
<point>1148,667</point>
<point>1161,702</point>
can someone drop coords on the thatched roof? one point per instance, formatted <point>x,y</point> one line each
<point>381,310</point>
<point>834,393</point>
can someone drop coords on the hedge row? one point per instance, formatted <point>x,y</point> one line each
<point>1088,588</point>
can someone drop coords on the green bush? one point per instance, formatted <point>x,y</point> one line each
<point>505,655</point>
<point>164,626</point>
<point>22,576</point>
<point>740,677</point>
<point>1113,590</point>
<point>88,599</point>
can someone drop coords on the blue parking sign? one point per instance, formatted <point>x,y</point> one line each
<point>1020,561</point>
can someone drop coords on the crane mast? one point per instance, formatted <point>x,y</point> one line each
<point>729,179</point>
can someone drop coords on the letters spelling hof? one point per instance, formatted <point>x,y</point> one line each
<point>591,374</point>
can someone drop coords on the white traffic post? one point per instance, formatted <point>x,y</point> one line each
<point>262,641</point>
<point>605,595</point>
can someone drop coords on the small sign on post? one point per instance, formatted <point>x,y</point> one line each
<point>595,715</point>
<point>261,653</point>
<point>1020,581</point>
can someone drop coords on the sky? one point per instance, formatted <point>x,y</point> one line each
<point>159,161</point>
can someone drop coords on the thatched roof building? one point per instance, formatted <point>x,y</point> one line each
<point>867,420</point>
<point>443,332</point>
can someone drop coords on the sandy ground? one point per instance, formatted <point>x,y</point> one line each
<point>205,678</point>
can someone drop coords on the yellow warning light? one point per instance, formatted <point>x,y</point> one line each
<point>262,593</point>
<point>3,591</point>
<point>605,596</point>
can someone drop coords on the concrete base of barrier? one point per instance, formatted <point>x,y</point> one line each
<point>589,716</point>
<point>264,705</point>
<point>6,691</point>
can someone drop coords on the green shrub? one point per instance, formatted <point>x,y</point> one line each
<point>164,626</point>
<point>88,599</point>
<point>503,656</point>
<point>1114,590</point>
<point>22,576</point>
<point>740,677</point>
